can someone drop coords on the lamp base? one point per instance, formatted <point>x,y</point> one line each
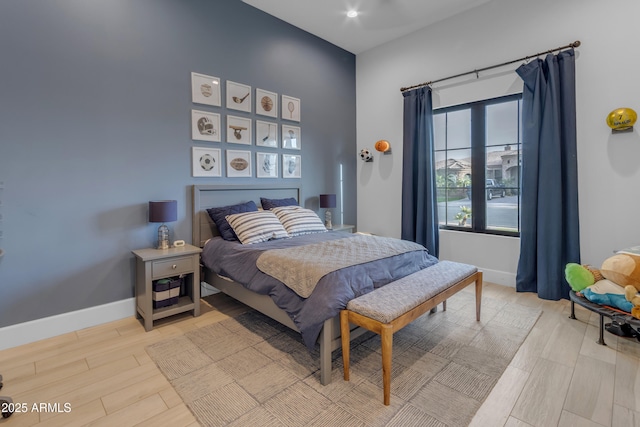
<point>163,237</point>
<point>327,220</point>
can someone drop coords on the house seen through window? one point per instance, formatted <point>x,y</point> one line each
<point>478,153</point>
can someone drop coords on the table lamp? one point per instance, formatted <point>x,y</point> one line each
<point>163,211</point>
<point>327,201</point>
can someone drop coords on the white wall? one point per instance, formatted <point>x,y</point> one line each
<point>606,78</point>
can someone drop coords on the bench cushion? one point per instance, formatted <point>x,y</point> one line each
<point>393,300</point>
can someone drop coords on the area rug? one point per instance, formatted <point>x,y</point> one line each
<point>251,371</point>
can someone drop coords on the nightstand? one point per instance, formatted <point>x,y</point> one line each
<point>156,264</point>
<point>343,227</point>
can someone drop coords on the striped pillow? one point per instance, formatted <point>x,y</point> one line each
<point>298,220</point>
<point>256,227</point>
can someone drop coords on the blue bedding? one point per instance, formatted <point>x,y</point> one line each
<point>238,262</point>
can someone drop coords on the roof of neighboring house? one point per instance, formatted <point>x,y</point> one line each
<point>454,164</point>
<point>494,160</point>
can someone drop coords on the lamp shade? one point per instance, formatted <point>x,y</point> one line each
<point>163,210</point>
<point>327,200</point>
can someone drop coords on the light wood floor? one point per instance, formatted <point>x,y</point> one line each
<point>560,376</point>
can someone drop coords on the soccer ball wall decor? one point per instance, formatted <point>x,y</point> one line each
<point>366,155</point>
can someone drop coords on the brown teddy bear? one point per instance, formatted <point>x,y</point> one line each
<point>623,269</point>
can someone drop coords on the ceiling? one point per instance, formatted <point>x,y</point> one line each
<point>378,21</point>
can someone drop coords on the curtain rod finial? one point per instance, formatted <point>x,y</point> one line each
<point>575,43</point>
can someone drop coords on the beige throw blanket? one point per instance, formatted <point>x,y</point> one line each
<point>301,267</point>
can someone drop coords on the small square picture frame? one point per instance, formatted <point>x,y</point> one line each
<point>290,108</point>
<point>205,126</point>
<point>291,137</point>
<point>266,165</point>
<point>238,163</point>
<point>266,103</point>
<point>239,96</point>
<point>205,162</point>
<point>205,89</point>
<point>266,134</point>
<point>291,166</point>
<point>239,130</point>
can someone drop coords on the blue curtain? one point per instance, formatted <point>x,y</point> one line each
<point>549,236</point>
<point>419,201</point>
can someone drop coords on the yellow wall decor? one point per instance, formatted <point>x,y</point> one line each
<point>622,119</point>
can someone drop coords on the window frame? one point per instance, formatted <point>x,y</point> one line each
<point>479,152</point>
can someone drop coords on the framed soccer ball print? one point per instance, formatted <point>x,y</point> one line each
<point>205,162</point>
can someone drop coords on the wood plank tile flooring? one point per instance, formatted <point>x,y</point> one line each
<point>559,377</point>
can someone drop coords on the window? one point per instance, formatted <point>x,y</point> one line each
<point>478,153</point>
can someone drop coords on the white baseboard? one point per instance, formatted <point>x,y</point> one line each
<point>499,277</point>
<point>36,330</point>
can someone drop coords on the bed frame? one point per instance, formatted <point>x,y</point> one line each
<point>208,196</point>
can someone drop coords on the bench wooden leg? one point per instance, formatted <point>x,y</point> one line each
<point>386,336</point>
<point>346,341</point>
<point>478,294</point>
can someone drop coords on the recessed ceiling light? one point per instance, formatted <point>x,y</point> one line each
<point>352,13</point>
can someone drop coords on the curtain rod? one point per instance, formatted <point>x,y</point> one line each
<point>526,58</point>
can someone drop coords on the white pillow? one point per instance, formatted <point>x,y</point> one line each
<point>256,227</point>
<point>298,220</point>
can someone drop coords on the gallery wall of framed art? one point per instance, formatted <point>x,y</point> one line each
<point>253,117</point>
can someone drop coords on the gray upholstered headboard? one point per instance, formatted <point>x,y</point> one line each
<point>210,196</point>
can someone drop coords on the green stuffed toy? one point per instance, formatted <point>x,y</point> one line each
<point>578,276</point>
<point>589,283</point>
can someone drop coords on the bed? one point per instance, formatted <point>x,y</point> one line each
<point>314,316</point>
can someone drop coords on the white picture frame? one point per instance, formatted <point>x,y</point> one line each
<point>266,165</point>
<point>239,96</point>
<point>205,89</point>
<point>266,134</point>
<point>291,166</point>
<point>290,108</point>
<point>238,163</point>
<point>239,130</point>
<point>205,126</point>
<point>266,103</point>
<point>205,162</point>
<point>291,137</point>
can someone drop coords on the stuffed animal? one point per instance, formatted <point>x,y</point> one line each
<point>623,268</point>
<point>580,276</point>
<point>605,292</point>
<point>631,294</point>
<point>615,284</point>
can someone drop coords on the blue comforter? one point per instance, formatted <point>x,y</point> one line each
<point>334,290</point>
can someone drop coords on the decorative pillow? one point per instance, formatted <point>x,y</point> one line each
<point>298,220</point>
<point>218,215</point>
<point>256,227</point>
<point>274,203</point>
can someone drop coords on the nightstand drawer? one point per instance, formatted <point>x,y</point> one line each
<point>171,267</point>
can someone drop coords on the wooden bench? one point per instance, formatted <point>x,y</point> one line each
<point>390,308</point>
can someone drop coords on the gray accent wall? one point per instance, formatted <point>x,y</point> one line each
<point>95,121</point>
